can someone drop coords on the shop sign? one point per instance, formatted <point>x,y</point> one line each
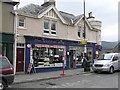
<point>84,42</point>
<point>48,46</point>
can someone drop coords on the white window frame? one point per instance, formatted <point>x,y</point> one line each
<point>22,18</point>
<point>54,31</point>
<point>46,20</point>
<point>50,25</point>
<point>79,29</point>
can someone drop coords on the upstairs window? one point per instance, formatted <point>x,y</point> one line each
<point>49,27</point>
<point>46,26</point>
<point>79,31</point>
<point>21,22</point>
<point>53,27</point>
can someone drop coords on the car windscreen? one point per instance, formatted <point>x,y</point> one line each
<point>4,63</point>
<point>105,57</point>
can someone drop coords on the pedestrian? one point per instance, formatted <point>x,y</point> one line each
<point>88,63</point>
<point>85,64</point>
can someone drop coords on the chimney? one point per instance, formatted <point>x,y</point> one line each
<point>48,2</point>
<point>45,1</point>
<point>90,15</point>
<point>52,1</point>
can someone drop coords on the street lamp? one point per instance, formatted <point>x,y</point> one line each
<point>84,33</point>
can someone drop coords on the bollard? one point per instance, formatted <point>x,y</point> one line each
<point>63,73</point>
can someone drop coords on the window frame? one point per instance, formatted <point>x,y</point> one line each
<point>22,22</point>
<point>53,31</point>
<point>79,30</point>
<point>48,30</point>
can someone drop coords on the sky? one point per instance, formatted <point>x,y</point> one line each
<point>103,10</point>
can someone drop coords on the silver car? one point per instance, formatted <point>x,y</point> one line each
<point>107,62</point>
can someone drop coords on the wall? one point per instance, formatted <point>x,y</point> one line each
<point>7,18</point>
<point>34,27</point>
<point>0,16</point>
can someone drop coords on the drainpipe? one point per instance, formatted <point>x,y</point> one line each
<point>15,37</point>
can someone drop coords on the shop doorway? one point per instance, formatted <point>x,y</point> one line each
<point>20,60</point>
<point>72,59</point>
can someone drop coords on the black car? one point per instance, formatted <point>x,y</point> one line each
<point>6,72</point>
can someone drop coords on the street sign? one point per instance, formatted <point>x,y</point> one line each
<point>84,42</point>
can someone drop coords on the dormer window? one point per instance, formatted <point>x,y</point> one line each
<point>53,27</point>
<point>46,27</point>
<point>21,22</point>
<point>49,27</point>
<point>79,31</point>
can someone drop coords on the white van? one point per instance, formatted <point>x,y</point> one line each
<point>107,62</point>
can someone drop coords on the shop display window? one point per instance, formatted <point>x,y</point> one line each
<point>48,56</point>
<point>76,55</point>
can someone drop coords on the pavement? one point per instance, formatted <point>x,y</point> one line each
<point>24,78</point>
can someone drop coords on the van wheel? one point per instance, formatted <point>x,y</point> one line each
<point>111,70</point>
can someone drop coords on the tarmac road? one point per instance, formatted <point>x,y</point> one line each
<point>84,80</point>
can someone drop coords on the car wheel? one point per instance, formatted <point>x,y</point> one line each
<point>2,85</point>
<point>111,70</point>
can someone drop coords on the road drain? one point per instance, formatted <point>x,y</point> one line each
<point>49,83</point>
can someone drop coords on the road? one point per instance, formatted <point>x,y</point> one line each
<point>84,80</point>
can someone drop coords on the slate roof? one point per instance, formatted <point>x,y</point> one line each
<point>33,10</point>
<point>67,17</point>
<point>9,2</point>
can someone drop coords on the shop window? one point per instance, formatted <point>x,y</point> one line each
<point>0,48</point>
<point>4,49</point>
<point>48,56</point>
<point>21,22</point>
<point>76,55</point>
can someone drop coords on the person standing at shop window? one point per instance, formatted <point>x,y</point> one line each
<point>84,63</point>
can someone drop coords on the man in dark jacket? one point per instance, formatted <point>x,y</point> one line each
<point>86,63</point>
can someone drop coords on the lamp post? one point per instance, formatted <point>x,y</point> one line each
<point>84,33</point>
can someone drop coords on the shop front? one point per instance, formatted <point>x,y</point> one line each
<point>46,55</point>
<point>50,54</point>
<point>6,45</point>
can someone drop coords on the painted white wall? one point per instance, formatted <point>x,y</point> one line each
<point>0,16</point>
<point>34,27</point>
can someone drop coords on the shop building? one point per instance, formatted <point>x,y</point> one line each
<point>48,37</point>
<point>7,29</point>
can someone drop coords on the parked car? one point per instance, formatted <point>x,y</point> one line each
<point>107,62</point>
<point>6,72</point>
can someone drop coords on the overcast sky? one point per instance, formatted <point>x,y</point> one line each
<point>104,10</point>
